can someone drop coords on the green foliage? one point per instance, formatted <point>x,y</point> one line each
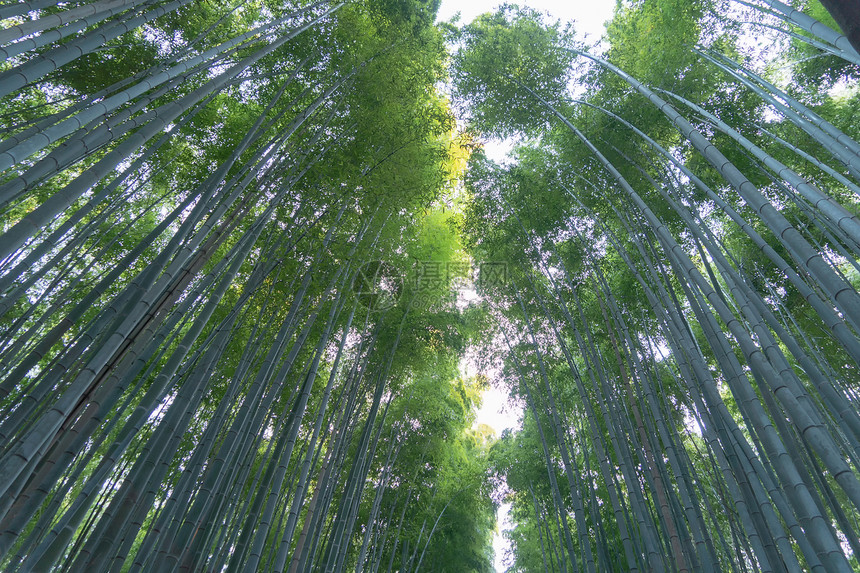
<point>235,337</point>
<point>640,45</point>
<point>496,54</point>
<point>814,71</point>
<point>606,254</point>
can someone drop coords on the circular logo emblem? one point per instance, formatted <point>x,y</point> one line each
<point>377,285</point>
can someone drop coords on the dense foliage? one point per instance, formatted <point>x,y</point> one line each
<point>681,320</point>
<point>236,244</point>
<point>203,365</point>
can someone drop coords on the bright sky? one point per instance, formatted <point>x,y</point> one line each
<point>589,17</point>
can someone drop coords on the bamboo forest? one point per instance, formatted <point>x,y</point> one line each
<point>263,261</point>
